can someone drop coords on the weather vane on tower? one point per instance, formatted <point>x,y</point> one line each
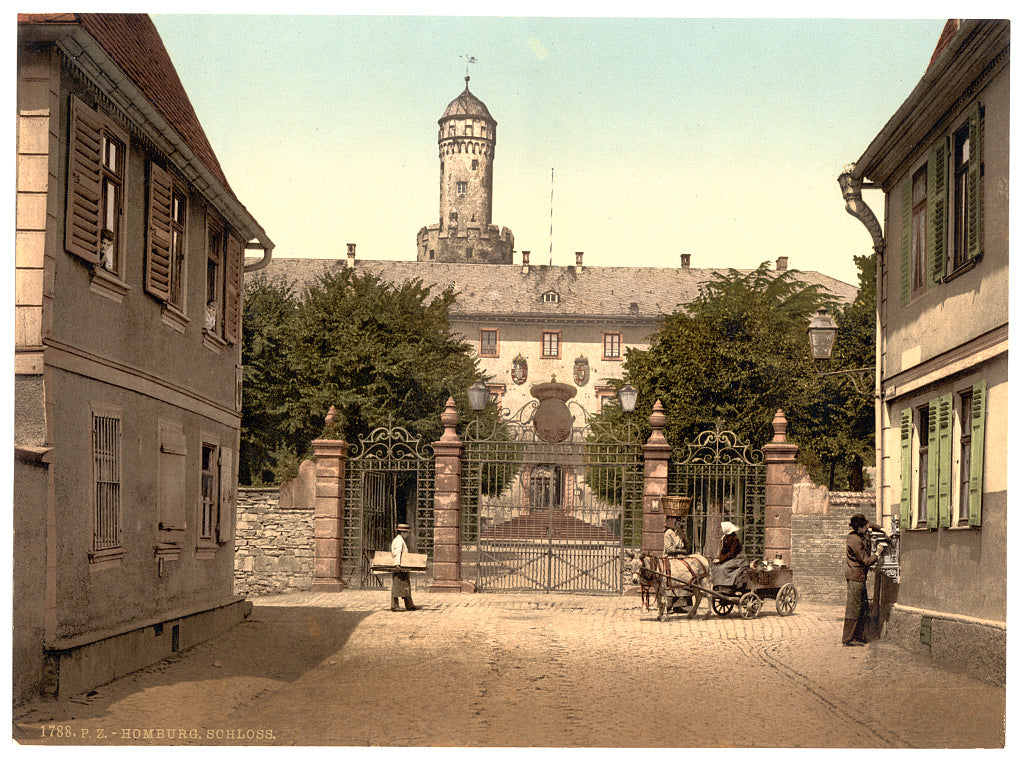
<point>469,60</point>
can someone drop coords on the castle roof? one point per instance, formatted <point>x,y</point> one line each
<point>513,292</point>
<point>466,105</point>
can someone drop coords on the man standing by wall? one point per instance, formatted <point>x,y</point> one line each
<point>858,561</point>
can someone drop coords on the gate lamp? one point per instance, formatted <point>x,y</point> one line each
<point>477,395</point>
<point>627,398</point>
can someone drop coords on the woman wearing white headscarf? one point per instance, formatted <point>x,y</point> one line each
<point>728,568</point>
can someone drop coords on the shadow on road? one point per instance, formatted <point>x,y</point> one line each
<point>274,643</point>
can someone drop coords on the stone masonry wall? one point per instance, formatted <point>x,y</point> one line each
<point>821,521</point>
<point>273,545</point>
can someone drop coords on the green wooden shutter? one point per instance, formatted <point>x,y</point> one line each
<point>974,184</point>
<point>906,457</point>
<point>906,222</point>
<point>932,486</point>
<point>945,457</point>
<point>158,255</point>
<point>82,225</point>
<point>977,451</point>
<point>938,195</point>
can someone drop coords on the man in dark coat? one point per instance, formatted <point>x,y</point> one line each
<point>858,561</point>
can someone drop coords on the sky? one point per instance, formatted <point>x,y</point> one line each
<point>633,140</point>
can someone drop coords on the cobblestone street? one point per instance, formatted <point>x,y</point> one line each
<point>528,670</point>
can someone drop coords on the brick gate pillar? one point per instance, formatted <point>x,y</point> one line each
<point>329,512</point>
<point>656,455</point>
<point>447,503</point>
<point>780,461</point>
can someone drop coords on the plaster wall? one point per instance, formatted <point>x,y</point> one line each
<point>945,316</point>
<point>577,339</point>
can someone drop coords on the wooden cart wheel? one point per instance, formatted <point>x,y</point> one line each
<point>750,605</point>
<point>785,600</point>
<point>721,606</point>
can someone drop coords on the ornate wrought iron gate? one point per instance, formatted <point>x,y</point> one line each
<point>549,515</point>
<point>389,478</point>
<point>726,480</point>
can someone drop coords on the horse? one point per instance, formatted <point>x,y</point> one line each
<point>650,571</point>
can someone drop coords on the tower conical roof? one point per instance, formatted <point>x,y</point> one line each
<point>467,105</point>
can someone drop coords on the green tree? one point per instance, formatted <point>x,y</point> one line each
<point>268,443</point>
<point>380,354</point>
<point>736,354</point>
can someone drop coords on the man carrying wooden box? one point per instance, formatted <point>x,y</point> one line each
<point>400,586</point>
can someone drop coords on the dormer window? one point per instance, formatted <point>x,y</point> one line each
<point>551,297</point>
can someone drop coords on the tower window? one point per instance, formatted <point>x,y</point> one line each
<point>453,217</point>
<point>461,187</point>
<point>476,164</point>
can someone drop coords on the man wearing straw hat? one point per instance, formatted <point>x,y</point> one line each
<point>400,586</point>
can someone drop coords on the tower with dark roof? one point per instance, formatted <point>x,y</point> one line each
<point>464,233</point>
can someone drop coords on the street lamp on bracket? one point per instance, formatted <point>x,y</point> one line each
<point>821,333</point>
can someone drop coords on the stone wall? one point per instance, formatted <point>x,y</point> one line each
<point>273,544</point>
<point>821,521</point>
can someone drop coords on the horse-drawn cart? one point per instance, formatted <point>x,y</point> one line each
<point>763,582</point>
<point>689,580</point>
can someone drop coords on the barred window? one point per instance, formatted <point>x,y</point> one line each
<point>210,493</point>
<point>106,458</point>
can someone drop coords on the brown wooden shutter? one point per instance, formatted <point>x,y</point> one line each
<point>233,290</point>
<point>82,226</point>
<point>158,252</point>
<point>224,521</point>
<point>172,477</point>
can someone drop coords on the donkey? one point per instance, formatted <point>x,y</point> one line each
<point>650,571</point>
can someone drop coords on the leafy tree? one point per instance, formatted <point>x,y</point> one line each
<point>380,354</point>
<point>737,353</point>
<point>267,383</point>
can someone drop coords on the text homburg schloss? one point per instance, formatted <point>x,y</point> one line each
<point>84,734</point>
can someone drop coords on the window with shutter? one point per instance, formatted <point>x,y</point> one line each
<point>937,208</point>
<point>233,290</point>
<point>82,228</point>
<point>158,260</point>
<point>171,478</point>
<point>906,462</point>
<point>977,451</point>
<point>906,239</point>
<point>932,495</point>
<point>944,466</point>
<point>974,185</point>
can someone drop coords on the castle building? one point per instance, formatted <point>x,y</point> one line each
<point>464,233</point>
<point>528,323</point>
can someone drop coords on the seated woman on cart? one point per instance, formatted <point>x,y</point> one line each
<point>729,569</point>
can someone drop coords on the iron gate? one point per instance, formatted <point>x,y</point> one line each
<point>544,515</point>
<point>726,480</point>
<point>389,479</point>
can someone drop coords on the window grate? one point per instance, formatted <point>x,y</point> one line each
<point>106,448</point>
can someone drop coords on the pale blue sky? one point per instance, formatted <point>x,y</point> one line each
<point>718,138</point>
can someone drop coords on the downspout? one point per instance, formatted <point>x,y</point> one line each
<point>856,206</point>
<point>268,252</point>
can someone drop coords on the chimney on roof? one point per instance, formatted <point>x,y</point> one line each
<point>684,260</point>
<point>526,261</point>
<point>782,263</point>
<point>351,255</point>
<point>579,259</point>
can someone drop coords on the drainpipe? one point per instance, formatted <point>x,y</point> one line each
<point>268,252</point>
<point>851,186</point>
